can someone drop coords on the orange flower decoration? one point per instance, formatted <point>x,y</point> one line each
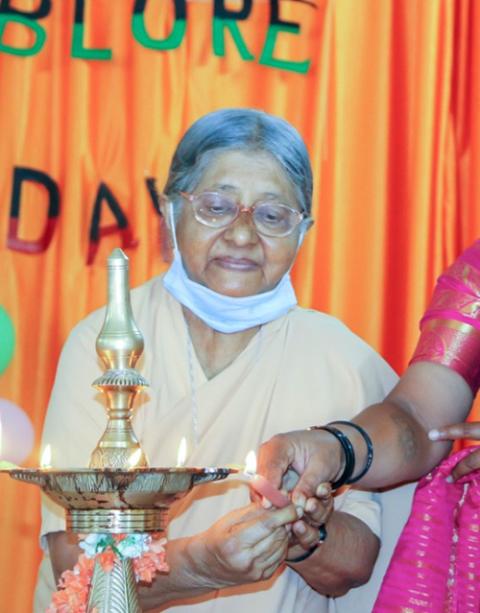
<point>74,585</point>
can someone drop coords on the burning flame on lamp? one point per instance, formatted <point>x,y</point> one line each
<point>260,484</point>
<point>46,461</point>
<point>182,453</point>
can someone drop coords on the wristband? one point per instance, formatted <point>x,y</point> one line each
<point>322,535</point>
<point>348,452</point>
<point>369,445</point>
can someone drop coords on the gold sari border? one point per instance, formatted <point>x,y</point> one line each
<point>451,343</point>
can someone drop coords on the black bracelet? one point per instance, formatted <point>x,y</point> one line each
<point>368,443</point>
<point>322,535</point>
<point>304,556</point>
<point>348,452</point>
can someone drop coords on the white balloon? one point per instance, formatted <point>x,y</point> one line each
<point>16,433</point>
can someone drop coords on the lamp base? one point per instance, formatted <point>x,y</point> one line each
<point>116,521</point>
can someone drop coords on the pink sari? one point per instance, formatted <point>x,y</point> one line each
<point>435,567</point>
<point>450,329</point>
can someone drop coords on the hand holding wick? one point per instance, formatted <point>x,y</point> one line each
<point>262,486</point>
<point>313,455</point>
<point>299,466</point>
<point>304,534</point>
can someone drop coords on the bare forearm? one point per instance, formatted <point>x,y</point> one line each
<point>428,396</point>
<point>402,449</point>
<point>346,558</point>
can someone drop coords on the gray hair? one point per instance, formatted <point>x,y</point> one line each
<point>240,129</point>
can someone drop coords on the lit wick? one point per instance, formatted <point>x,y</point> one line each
<point>46,460</point>
<point>182,453</point>
<point>261,485</point>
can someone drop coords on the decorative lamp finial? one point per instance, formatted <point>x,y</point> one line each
<point>119,345</point>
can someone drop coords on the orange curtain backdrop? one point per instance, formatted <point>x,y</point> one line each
<point>388,111</point>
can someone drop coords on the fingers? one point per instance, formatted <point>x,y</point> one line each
<point>469,430</point>
<point>307,535</point>
<point>313,454</point>
<point>274,458</point>
<point>310,486</point>
<point>280,517</point>
<point>470,463</point>
<point>252,524</point>
<point>323,463</point>
<point>270,570</point>
<point>456,431</point>
<point>271,547</point>
<point>272,562</point>
<point>252,549</point>
<point>242,515</point>
<point>324,490</point>
<point>317,512</point>
<point>319,509</point>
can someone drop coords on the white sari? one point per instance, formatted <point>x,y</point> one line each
<point>302,369</point>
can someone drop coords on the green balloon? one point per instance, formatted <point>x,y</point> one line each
<point>7,339</point>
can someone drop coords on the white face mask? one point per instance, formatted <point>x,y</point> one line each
<point>226,313</point>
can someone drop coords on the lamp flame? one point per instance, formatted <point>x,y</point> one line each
<point>134,458</point>
<point>182,453</point>
<point>251,463</point>
<point>46,461</point>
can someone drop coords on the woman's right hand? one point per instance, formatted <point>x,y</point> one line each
<point>314,455</point>
<point>305,532</point>
<point>244,546</point>
<point>455,432</point>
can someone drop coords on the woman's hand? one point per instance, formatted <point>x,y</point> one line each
<point>458,431</point>
<point>313,454</point>
<point>305,532</point>
<point>245,546</point>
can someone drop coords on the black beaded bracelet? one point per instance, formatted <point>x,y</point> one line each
<point>348,452</point>
<point>322,535</point>
<point>368,443</point>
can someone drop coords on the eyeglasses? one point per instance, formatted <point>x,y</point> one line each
<point>270,218</point>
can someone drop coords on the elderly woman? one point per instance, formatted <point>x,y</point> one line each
<point>232,360</point>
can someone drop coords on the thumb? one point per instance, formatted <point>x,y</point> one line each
<point>274,458</point>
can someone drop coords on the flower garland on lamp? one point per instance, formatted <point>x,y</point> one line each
<point>147,552</point>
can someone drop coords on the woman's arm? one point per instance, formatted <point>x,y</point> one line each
<point>428,396</point>
<point>436,390</point>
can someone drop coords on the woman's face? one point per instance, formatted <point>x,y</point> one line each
<point>236,260</point>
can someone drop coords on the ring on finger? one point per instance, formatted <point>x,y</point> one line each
<point>322,535</point>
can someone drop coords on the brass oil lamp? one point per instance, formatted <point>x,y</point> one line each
<point>118,493</point>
